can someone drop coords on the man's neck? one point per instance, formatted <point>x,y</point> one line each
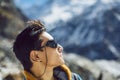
<point>48,75</point>
<point>42,73</point>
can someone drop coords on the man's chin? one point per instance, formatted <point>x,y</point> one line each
<point>62,62</point>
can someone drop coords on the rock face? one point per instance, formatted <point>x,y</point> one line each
<point>11,22</point>
<point>11,19</point>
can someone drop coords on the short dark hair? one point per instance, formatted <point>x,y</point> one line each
<point>27,41</point>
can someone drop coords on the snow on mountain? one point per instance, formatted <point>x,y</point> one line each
<point>85,27</point>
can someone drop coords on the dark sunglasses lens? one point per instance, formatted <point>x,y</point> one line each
<point>52,44</point>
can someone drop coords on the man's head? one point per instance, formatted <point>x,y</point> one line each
<point>27,41</point>
<point>33,42</point>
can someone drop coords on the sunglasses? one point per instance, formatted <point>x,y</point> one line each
<point>51,43</point>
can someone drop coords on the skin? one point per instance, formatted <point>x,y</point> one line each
<point>38,58</point>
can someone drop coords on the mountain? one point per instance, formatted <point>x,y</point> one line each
<point>89,28</point>
<point>94,33</point>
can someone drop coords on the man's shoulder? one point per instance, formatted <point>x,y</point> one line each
<point>76,76</point>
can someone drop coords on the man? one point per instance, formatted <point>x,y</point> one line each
<point>40,55</point>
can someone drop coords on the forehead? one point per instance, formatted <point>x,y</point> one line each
<point>46,36</point>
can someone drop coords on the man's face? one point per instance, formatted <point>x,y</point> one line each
<point>54,55</point>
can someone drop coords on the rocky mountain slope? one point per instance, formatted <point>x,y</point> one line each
<point>11,19</point>
<point>11,22</point>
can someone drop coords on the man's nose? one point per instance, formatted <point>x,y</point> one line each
<point>60,48</point>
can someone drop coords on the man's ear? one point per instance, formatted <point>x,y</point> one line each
<point>34,56</point>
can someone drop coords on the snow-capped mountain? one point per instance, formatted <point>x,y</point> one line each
<point>90,28</point>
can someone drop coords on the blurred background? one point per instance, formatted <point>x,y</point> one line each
<point>89,31</point>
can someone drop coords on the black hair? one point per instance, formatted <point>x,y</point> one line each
<point>27,41</point>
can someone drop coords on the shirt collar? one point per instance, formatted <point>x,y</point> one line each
<point>61,72</point>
